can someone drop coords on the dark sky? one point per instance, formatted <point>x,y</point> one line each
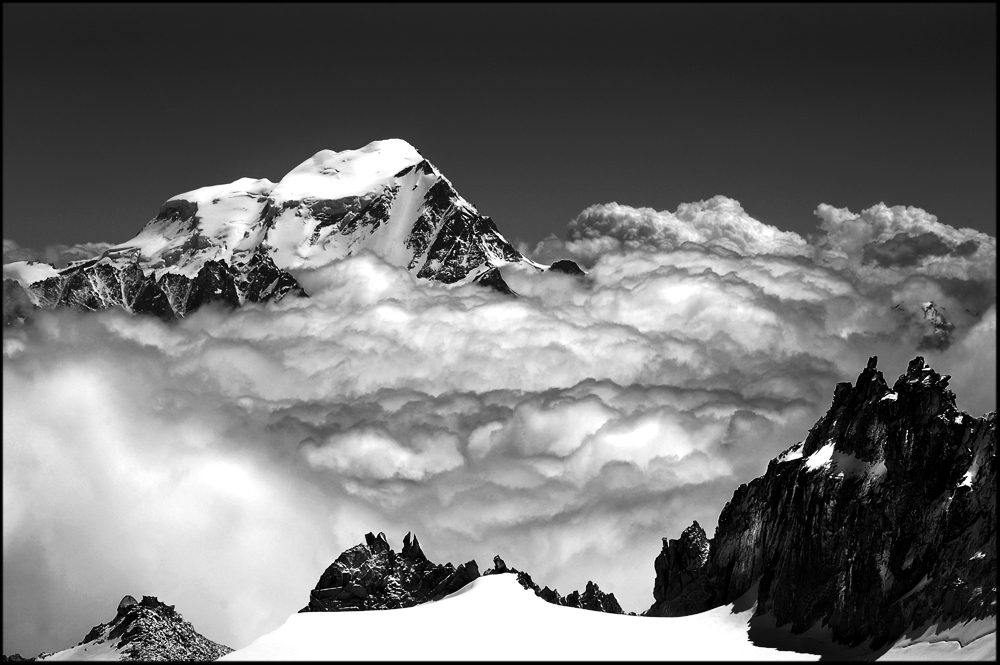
<point>534,112</point>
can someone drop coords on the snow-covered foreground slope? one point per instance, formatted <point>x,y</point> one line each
<point>494,618</point>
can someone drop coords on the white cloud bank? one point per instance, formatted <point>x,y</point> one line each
<point>222,462</point>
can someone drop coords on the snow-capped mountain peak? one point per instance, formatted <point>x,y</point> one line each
<point>335,175</point>
<point>242,241</point>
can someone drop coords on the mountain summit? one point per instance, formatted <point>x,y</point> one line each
<point>237,242</point>
<point>146,629</point>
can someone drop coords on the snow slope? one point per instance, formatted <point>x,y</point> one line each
<point>494,618</point>
<point>88,651</point>
<point>973,640</point>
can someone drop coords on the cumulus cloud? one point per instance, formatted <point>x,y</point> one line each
<point>884,243</point>
<point>223,461</point>
<point>719,223</point>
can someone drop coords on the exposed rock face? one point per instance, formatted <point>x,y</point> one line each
<point>883,519</point>
<point>371,576</point>
<point>142,630</point>
<point>567,266</point>
<point>680,587</point>
<point>493,279</point>
<point>591,599</point>
<point>236,243</point>
<point>92,286</point>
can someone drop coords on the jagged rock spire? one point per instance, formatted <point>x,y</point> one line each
<point>411,548</point>
<point>882,520</point>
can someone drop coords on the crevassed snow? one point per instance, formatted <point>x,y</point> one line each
<point>26,273</point>
<point>227,221</point>
<point>335,175</point>
<point>202,195</point>
<point>494,618</point>
<point>891,397</point>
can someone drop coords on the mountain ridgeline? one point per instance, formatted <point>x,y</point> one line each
<point>882,520</point>
<point>240,242</point>
<point>373,576</point>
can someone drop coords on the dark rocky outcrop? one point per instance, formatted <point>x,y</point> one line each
<point>566,266</point>
<point>94,286</point>
<point>493,279</point>
<point>372,576</point>
<point>591,599</point>
<point>883,519</point>
<point>680,587</point>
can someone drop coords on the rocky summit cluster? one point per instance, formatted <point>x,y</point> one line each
<point>372,576</point>
<point>591,599</point>
<point>882,520</point>
<point>141,630</point>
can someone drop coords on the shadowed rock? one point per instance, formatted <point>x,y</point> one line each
<point>372,576</point>
<point>591,599</point>
<point>883,519</point>
<point>566,266</point>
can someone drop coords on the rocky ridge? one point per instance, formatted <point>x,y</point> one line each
<point>141,630</point>
<point>882,520</point>
<point>591,599</point>
<point>373,576</point>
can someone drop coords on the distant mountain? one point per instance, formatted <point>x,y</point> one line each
<point>237,243</point>
<point>140,630</point>
<point>373,576</point>
<point>883,521</point>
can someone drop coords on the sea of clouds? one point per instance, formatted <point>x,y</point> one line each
<point>223,461</point>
